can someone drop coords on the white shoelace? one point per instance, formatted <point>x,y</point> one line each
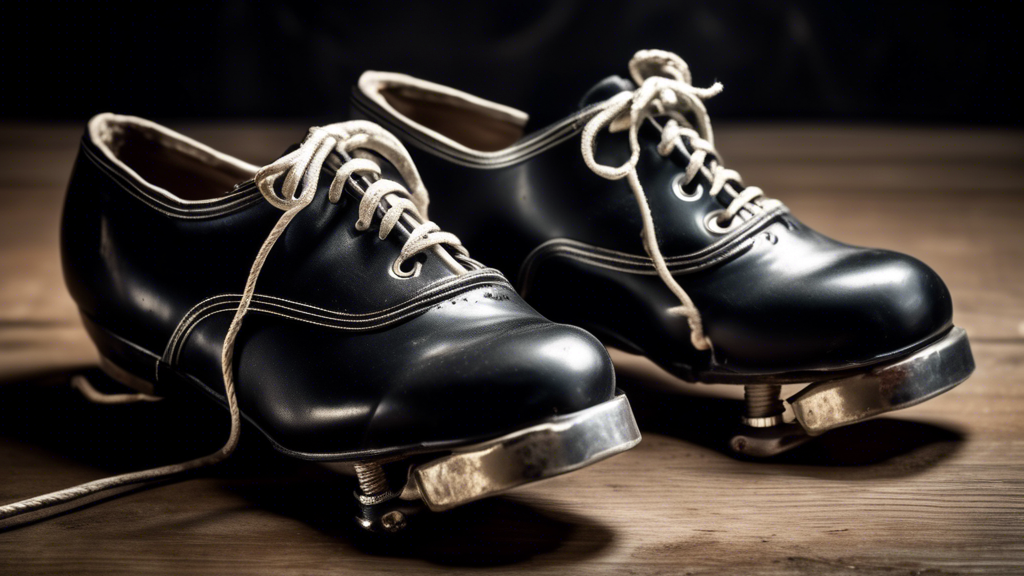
<point>301,168</point>
<point>665,90</point>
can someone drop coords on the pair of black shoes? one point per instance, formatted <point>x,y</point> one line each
<point>315,300</point>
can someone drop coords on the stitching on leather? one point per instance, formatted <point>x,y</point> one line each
<point>151,201</point>
<point>585,258</point>
<point>728,247</point>
<point>187,319</point>
<point>425,292</point>
<point>122,178</point>
<point>231,204</point>
<point>556,135</point>
<point>387,320</point>
<point>384,317</point>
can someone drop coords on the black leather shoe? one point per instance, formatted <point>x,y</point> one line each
<point>369,335</point>
<point>645,239</point>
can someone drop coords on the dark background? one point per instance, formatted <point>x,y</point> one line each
<point>848,60</point>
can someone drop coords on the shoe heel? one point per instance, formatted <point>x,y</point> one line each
<point>123,361</point>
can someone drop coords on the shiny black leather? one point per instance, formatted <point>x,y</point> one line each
<point>337,358</point>
<point>779,301</point>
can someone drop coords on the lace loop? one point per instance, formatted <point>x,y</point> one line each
<point>665,90</point>
<point>372,198</point>
<point>361,166</point>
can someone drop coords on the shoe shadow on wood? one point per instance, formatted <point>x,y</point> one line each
<point>43,411</point>
<point>887,446</point>
<point>493,532</point>
<point>43,415</point>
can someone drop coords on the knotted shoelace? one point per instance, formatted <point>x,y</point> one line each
<point>301,169</point>
<point>665,90</point>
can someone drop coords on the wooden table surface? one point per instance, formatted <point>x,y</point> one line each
<point>936,489</point>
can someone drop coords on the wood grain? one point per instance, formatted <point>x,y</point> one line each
<point>936,489</point>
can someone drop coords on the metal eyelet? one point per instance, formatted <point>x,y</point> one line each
<point>682,194</point>
<point>711,223</point>
<point>397,272</point>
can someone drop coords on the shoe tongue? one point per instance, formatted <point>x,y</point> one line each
<point>605,89</point>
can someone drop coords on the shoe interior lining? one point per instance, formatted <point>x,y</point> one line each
<point>460,118</point>
<point>168,162</point>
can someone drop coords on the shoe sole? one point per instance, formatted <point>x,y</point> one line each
<point>932,370</point>
<point>556,446</point>
<point>829,404</point>
<point>441,475</point>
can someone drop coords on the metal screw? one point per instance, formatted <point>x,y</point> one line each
<point>763,405</point>
<point>372,480</point>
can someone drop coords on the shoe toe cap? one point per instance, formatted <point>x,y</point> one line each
<point>878,305</point>
<point>507,378</point>
<point>856,307</point>
<point>903,300</point>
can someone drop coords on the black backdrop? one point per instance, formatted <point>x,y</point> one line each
<point>851,60</point>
